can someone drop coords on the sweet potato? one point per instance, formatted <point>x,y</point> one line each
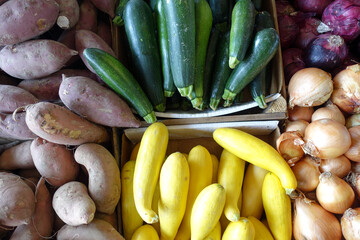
<point>67,38</point>
<point>28,173</point>
<point>13,97</point>
<point>17,202</point>
<point>104,175</point>
<point>17,157</point>
<point>96,103</point>
<point>15,129</point>
<point>104,31</point>
<point>47,88</point>
<point>110,218</point>
<point>73,204</point>
<point>34,58</point>
<point>31,182</point>
<point>21,20</point>
<point>69,13</point>
<point>88,16</point>
<point>8,80</point>
<point>6,144</point>
<point>54,162</point>
<point>106,6</point>
<point>88,39</point>
<point>96,230</point>
<point>42,220</point>
<point>59,125</point>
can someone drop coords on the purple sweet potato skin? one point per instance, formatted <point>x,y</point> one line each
<point>17,200</point>
<point>47,88</point>
<point>21,20</point>
<point>107,6</point>
<point>96,103</point>
<point>88,16</point>
<point>13,97</point>
<point>59,125</point>
<point>69,13</point>
<point>104,31</point>
<point>17,157</point>
<point>88,39</point>
<point>15,129</point>
<point>67,38</point>
<point>34,58</point>
<point>42,220</point>
<point>54,162</point>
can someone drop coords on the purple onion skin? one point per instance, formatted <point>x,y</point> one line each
<point>291,69</point>
<point>351,59</point>
<point>317,6</point>
<point>288,30</point>
<point>326,51</point>
<point>291,55</point>
<point>283,7</point>
<point>308,32</point>
<point>343,17</point>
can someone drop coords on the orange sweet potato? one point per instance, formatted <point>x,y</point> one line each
<point>17,157</point>
<point>13,97</point>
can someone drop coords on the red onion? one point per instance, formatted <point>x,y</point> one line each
<point>343,17</point>
<point>291,69</point>
<point>283,7</point>
<point>317,6</point>
<point>291,55</point>
<point>288,30</point>
<point>309,29</point>
<point>326,51</point>
<point>351,59</point>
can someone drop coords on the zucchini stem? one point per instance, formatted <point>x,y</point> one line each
<point>233,61</point>
<point>150,118</point>
<point>214,103</point>
<point>260,100</point>
<point>186,91</point>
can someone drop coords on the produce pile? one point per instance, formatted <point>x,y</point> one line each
<point>320,50</point>
<point>206,193</point>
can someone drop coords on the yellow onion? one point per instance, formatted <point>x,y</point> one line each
<point>307,174</point>
<point>300,113</point>
<point>346,93</point>
<point>350,224</point>
<point>326,138</point>
<point>352,120</point>
<point>311,221</point>
<point>354,180</point>
<point>334,194</point>
<point>353,153</point>
<point>340,166</point>
<point>355,167</point>
<point>297,125</point>
<point>330,111</point>
<point>309,87</point>
<point>289,145</point>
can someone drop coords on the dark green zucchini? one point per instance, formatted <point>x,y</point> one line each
<point>119,78</point>
<point>209,64</point>
<point>168,82</point>
<point>118,19</point>
<point>220,12</point>
<point>180,21</point>
<point>203,23</point>
<point>140,32</point>
<point>257,4</point>
<point>242,24</point>
<point>262,50</point>
<point>152,4</point>
<point>258,85</point>
<point>221,72</point>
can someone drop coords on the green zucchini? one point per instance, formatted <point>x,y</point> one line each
<point>119,78</point>
<point>209,64</point>
<point>203,24</point>
<point>258,85</point>
<point>221,72</point>
<point>257,4</point>
<point>152,4</point>
<point>262,50</point>
<point>242,24</point>
<point>168,82</point>
<point>140,32</point>
<point>180,21</point>
<point>118,19</point>
<point>220,12</point>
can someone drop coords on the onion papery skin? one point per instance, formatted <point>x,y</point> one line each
<point>288,30</point>
<point>350,224</point>
<point>317,6</point>
<point>326,138</point>
<point>346,92</point>
<point>307,32</point>
<point>354,180</point>
<point>310,87</point>
<point>334,194</point>
<point>330,111</point>
<point>326,51</point>
<point>343,17</point>
<point>297,125</point>
<point>352,120</point>
<point>283,7</point>
<point>307,174</point>
<point>300,113</point>
<point>289,145</point>
<point>291,55</point>
<point>340,166</point>
<point>311,221</point>
<point>354,151</point>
